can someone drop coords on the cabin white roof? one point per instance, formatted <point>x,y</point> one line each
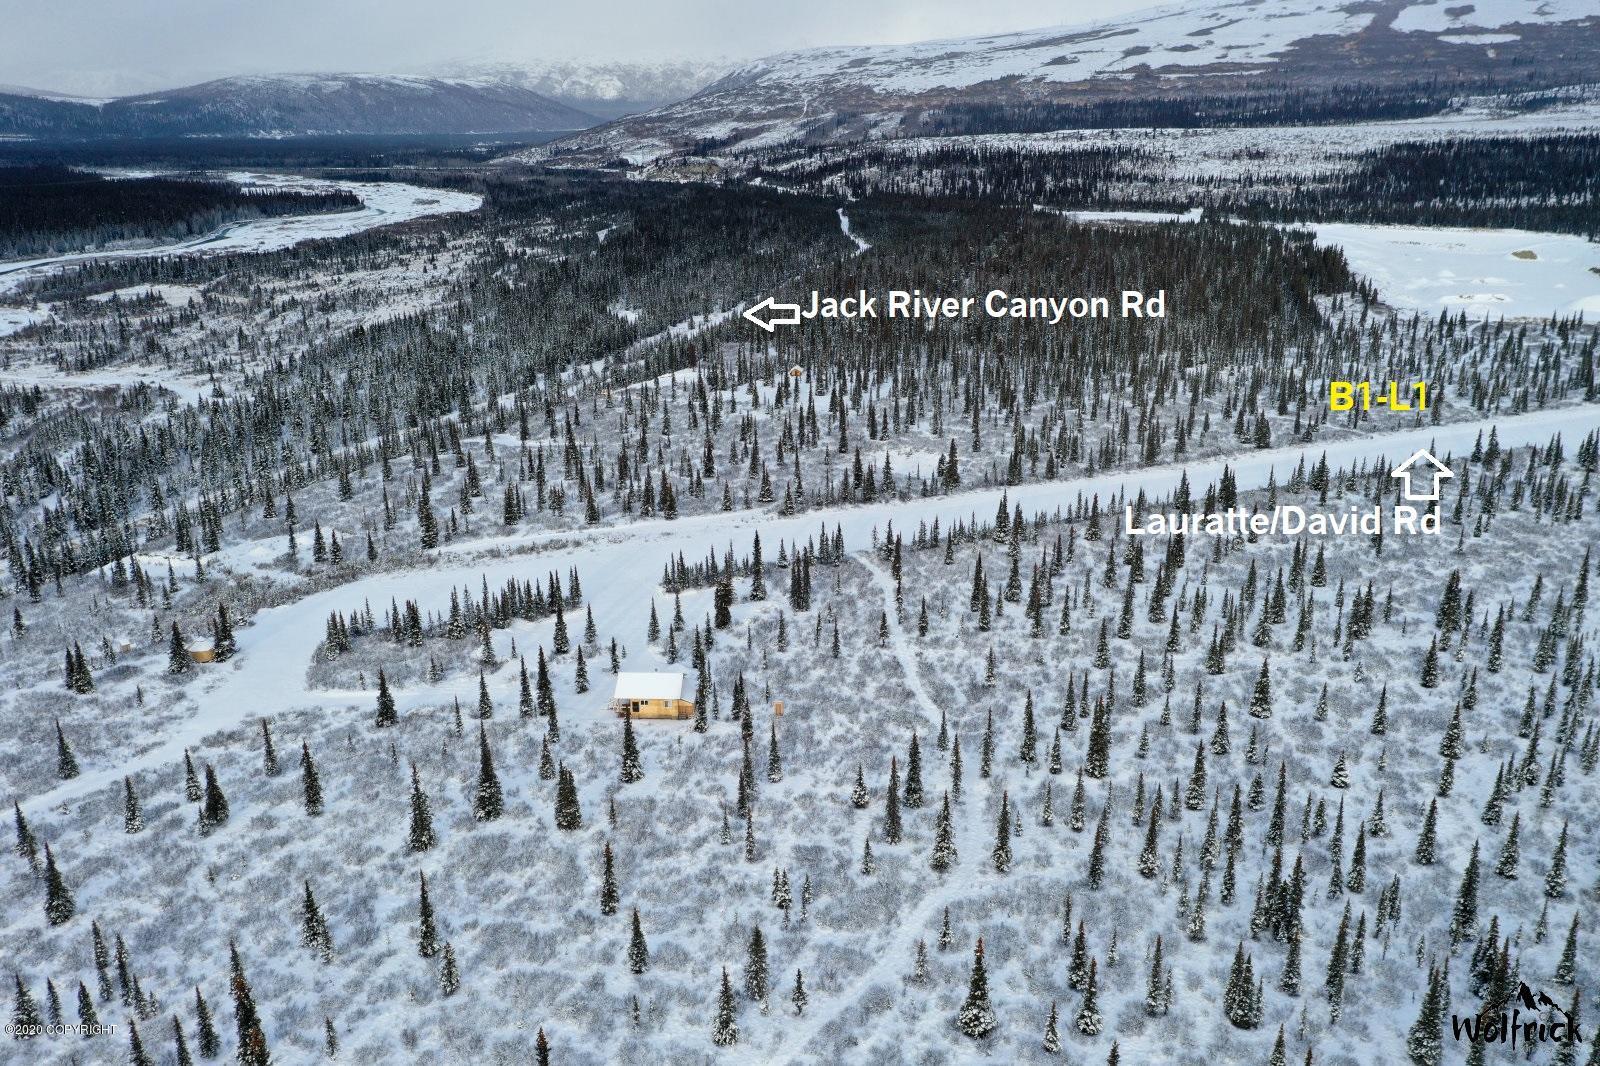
<point>649,686</point>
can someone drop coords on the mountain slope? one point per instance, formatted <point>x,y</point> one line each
<point>605,89</point>
<point>1226,47</point>
<point>298,104</point>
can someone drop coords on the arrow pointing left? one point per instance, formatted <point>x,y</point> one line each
<point>780,314</point>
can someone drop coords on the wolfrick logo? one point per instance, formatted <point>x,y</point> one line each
<point>1545,1020</point>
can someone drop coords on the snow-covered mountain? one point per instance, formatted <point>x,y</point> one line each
<point>1220,47</point>
<point>608,90</point>
<point>295,104</point>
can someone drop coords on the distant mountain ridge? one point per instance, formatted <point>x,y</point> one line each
<point>295,105</point>
<point>1222,47</point>
<point>606,89</point>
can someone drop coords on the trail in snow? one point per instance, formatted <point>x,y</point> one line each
<point>844,225</point>
<point>619,567</point>
<point>895,947</point>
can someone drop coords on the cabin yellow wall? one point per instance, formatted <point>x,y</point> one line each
<point>662,709</point>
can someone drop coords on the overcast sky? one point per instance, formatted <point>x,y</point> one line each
<point>103,47</point>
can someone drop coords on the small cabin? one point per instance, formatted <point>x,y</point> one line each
<point>201,650</point>
<point>651,695</point>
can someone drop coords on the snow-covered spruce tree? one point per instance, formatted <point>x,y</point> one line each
<point>798,997</point>
<point>25,1017</point>
<point>569,815</point>
<point>1555,880</point>
<point>755,967</point>
<point>137,1055</point>
<point>178,661</point>
<point>66,761</point>
<point>314,932</point>
<point>310,782</point>
<point>1464,917</point>
<point>191,780</point>
<point>252,1041</point>
<point>1239,995</point>
<point>207,1042</point>
<point>976,1017</point>
<point>387,715</point>
<point>488,802</point>
<point>631,769</point>
<point>638,950</point>
<point>913,789</point>
<point>1001,853</point>
<point>485,702</point>
<point>132,814</point>
<point>420,835</point>
<point>1425,1040</point>
<point>891,813</point>
<point>427,930</point>
<point>609,895</point>
<point>1089,1021</point>
<point>1427,840</point>
<point>1052,1034</point>
<point>1156,1002</point>
<point>180,1044</point>
<point>858,794</point>
<point>449,972</point>
<point>1261,697</point>
<point>214,806</point>
<point>725,1029</point>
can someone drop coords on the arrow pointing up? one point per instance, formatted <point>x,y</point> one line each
<point>790,315</point>
<point>1430,473</point>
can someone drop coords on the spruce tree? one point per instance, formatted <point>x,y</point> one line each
<point>1425,1040</point>
<point>66,762</point>
<point>387,715</point>
<point>449,972</point>
<point>944,846</point>
<point>631,769</point>
<point>755,967</point>
<point>1089,1021</point>
<point>311,783</point>
<point>976,1017</point>
<point>608,882</point>
<point>427,931</point>
<point>568,814</point>
<point>488,803</point>
<point>178,661</point>
<point>725,1030</point>
<point>420,836</point>
<point>1555,880</point>
<point>638,950</point>
<point>59,906</point>
<point>25,1018</point>
<point>207,1042</point>
<point>252,1041</point>
<point>1001,853</point>
<point>132,813</point>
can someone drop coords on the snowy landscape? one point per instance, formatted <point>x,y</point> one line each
<point>444,623</point>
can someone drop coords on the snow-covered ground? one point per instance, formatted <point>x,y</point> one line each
<point>617,561</point>
<point>1486,273</point>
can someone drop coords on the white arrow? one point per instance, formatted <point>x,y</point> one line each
<point>790,314</point>
<point>1427,467</point>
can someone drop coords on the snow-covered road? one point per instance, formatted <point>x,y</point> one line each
<point>621,565</point>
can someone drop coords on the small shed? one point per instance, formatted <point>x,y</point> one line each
<point>655,694</point>
<point>201,649</point>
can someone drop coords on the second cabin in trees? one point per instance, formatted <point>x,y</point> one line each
<point>651,695</point>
